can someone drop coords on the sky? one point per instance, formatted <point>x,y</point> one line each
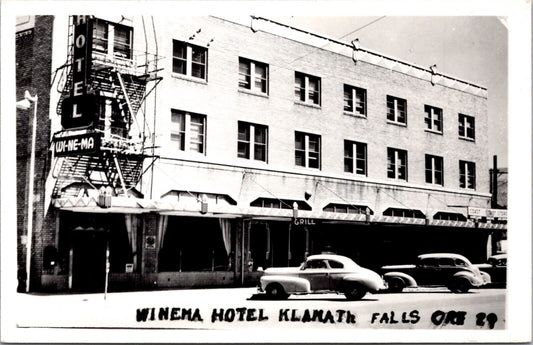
<point>470,48</point>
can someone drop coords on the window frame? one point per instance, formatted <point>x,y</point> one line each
<point>467,175</point>
<point>251,141</point>
<point>433,118</point>
<point>432,170</point>
<point>395,111</point>
<point>189,61</point>
<point>464,122</point>
<point>353,92</point>
<point>352,158</point>
<point>110,50</point>
<point>252,76</point>
<point>306,151</point>
<point>303,88</point>
<point>186,130</point>
<point>397,167</point>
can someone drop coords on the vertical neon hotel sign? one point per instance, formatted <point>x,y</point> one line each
<point>79,109</point>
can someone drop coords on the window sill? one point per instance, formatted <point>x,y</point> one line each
<point>300,167</point>
<point>472,140</point>
<point>253,93</point>
<point>468,189</point>
<point>355,174</point>
<point>397,179</point>
<point>310,105</point>
<point>429,184</point>
<point>253,161</point>
<point>189,78</point>
<point>361,116</point>
<point>432,131</point>
<point>399,124</point>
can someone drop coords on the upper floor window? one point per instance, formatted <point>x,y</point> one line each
<point>354,100</point>
<point>396,164</point>
<point>467,127</point>
<point>433,118</point>
<point>434,170</point>
<point>307,150</point>
<point>307,88</point>
<point>252,141</point>
<point>253,75</point>
<point>189,60</point>
<point>188,131</point>
<point>355,157</point>
<point>397,110</point>
<point>112,39</point>
<point>467,175</point>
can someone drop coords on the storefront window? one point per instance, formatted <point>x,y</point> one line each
<point>196,244</point>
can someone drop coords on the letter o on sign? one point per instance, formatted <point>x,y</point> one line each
<point>80,41</point>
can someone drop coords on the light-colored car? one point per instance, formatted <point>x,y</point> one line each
<point>321,273</point>
<point>438,269</point>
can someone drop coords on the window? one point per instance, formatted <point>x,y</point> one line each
<point>286,204</point>
<point>252,141</point>
<point>404,213</point>
<point>112,39</point>
<point>347,208</point>
<point>467,175</point>
<point>434,172</point>
<point>433,118</point>
<point>397,164</point>
<point>189,60</point>
<point>466,127</point>
<point>188,131</point>
<point>315,264</point>
<point>354,157</point>
<point>354,100</point>
<point>397,110</point>
<point>253,75</point>
<point>335,264</point>
<point>307,150</point>
<point>450,216</point>
<point>307,88</point>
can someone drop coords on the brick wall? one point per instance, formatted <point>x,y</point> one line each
<point>224,105</point>
<point>33,73</point>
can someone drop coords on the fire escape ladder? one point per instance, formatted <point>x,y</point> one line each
<point>133,115</point>
<point>120,176</point>
<point>76,169</point>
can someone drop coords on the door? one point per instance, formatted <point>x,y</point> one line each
<point>317,273</point>
<point>88,260</point>
<point>428,272</point>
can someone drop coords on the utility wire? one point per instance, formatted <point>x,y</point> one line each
<point>362,27</point>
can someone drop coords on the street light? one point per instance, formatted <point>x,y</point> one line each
<point>25,104</point>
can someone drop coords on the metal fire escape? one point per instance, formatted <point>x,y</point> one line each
<point>122,85</point>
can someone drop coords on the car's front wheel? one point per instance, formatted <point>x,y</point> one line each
<point>276,291</point>
<point>355,292</point>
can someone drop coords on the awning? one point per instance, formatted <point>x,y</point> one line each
<point>89,204</point>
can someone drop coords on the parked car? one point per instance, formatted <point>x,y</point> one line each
<point>496,267</point>
<point>321,274</point>
<point>439,269</point>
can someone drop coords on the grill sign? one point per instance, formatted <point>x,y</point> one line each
<point>77,144</point>
<point>76,112</point>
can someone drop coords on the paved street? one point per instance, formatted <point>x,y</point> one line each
<point>424,308</point>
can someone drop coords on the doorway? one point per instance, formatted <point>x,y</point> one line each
<point>88,260</point>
